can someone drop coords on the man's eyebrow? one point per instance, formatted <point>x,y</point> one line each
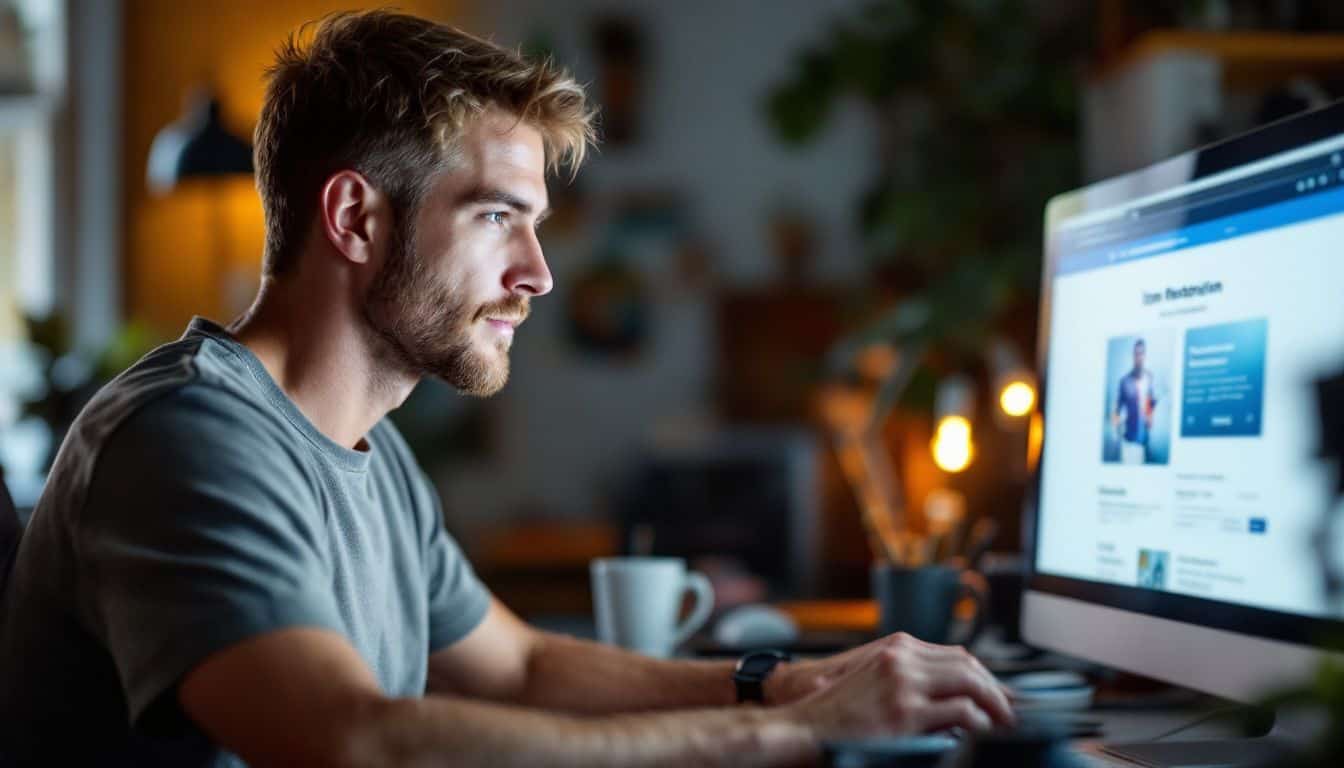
<point>479,195</point>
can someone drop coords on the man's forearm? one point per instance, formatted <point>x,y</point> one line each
<point>579,676</point>
<point>440,730</point>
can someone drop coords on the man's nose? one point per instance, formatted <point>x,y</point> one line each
<point>528,273</point>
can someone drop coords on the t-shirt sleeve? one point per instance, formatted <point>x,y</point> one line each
<point>458,601</point>
<point>201,529</point>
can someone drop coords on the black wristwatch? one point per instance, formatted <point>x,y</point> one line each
<point>751,671</point>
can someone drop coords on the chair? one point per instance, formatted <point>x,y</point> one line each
<point>10,531</point>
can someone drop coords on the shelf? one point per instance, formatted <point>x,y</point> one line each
<point>1247,58</point>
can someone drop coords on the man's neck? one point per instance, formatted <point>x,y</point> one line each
<point>323,360</point>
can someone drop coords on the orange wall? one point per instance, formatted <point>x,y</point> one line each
<point>170,46</point>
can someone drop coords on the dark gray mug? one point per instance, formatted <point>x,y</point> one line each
<point>1005,573</point>
<point>922,601</point>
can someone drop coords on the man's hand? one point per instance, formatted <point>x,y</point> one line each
<point>897,683</point>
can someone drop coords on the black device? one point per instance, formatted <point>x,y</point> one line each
<point>751,671</point>
<point>748,495</point>
<point>10,532</point>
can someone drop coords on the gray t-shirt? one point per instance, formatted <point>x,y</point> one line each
<point>192,506</point>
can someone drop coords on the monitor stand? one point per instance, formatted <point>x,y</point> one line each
<point>1203,753</point>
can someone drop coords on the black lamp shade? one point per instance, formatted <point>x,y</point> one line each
<point>196,146</point>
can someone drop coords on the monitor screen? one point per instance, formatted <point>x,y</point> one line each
<point>1187,326</point>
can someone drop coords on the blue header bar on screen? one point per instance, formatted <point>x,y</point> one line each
<point>1287,195</point>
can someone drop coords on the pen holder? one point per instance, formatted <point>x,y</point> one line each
<point>922,601</point>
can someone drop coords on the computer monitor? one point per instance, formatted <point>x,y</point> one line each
<point>1187,310</point>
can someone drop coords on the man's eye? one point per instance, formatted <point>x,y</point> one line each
<point>496,217</point>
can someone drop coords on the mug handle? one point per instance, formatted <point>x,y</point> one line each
<point>974,586</point>
<point>698,583</point>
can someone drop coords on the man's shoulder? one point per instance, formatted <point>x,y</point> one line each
<point>158,374</point>
<point>173,408</point>
<point>180,389</point>
<point>198,454</point>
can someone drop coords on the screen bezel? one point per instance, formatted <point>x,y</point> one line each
<point>1284,135</point>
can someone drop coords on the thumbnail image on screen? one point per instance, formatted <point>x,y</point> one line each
<point>1137,420</point>
<point>1152,569</point>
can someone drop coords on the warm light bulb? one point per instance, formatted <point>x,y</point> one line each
<point>952,449</point>
<point>1017,398</point>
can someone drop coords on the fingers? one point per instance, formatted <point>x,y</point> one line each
<point>956,712</point>
<point>947,653</point>
<point>906,686</point>
<point>934,674</point>
<point>956,680</point>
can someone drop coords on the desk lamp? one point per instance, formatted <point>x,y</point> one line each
<point>197,146</point>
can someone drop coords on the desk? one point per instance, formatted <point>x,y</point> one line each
<point>832,615</point>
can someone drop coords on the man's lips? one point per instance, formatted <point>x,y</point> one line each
<point>504,325</point>
<point>504,316</point>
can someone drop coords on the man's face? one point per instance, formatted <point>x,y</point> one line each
<point>1139,350</point>
<point>456,283</point>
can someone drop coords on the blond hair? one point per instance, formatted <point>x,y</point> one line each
<point>389,95</point>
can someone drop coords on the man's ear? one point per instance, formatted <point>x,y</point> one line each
<point>353,215</point>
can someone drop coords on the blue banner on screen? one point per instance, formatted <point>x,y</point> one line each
<point>1224,379</point>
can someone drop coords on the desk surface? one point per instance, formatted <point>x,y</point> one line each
<point>832,615</point>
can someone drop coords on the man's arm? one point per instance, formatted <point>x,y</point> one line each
<point>505,660</point>
<point>305,697</point>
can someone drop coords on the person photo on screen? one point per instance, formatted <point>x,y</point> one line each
<point>1134,406</point>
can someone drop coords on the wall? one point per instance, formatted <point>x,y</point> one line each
<point>565,424</point>
<point>559,431</point>
<point>169,48</point>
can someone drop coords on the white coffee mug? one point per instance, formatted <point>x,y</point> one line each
<point>636,601</point>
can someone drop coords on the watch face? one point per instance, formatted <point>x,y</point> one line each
<point>757,664</point>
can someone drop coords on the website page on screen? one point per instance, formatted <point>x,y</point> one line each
<point>1186,334</point>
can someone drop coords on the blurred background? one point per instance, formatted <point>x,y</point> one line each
<point>793,328</point>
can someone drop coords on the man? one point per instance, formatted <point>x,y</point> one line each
<point>237,558</point>
<point>1133,415</point>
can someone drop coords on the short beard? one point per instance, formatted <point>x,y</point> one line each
<point>425,329</point>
